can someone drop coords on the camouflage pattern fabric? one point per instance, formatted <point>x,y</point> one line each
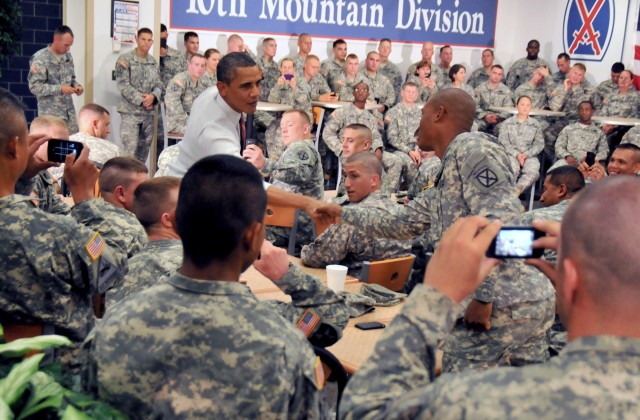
<point>425,91</point>
<point>171,64</point>
<point>577,139</point>
<point>181,92</point>
<point>381,87</point>
<point>100,150</point>
<point>167,156</point>
<point>319,86</point>
<point>436,73</point>
<point>623,105</point>
<point>522,70</point>
<point>523,137</point>
<point>270,75</point>
<point>211,79</point>
<point>42,190</point>
<point>478,76</point>
<point>632,136</point>
<point>331,70</point>
<point>402,123</point>
<point>486,98</point>
<point>392,72</point>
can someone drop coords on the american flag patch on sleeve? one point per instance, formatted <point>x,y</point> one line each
<point>95,246</point>
<point>308,322</point>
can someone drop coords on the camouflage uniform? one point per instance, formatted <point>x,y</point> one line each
<point>299,170</point>
<point>478,76</point>
<point>522,70</point>
<point>523,137</point>
<point>558,77</point>
<point>346,91</point>
<point>50,267</point>
<point>100,150</point>
<point>436,73</point>
<point>211,349</point>
<point>577,139</point>
<point>270,75</point>
<point>485,98</point>
<point>331,70</point>
<point>540,96</point>
<point>427,175</point>
<point>318,86</point>
<point>425,92</point>
<point>171,64</point>
<point>464,87</point>
<point>623,105</point>
<point>381,88</point>
<point>136,76</point>
<point>476,179</point>
<point>632,136</point>
<point>207,80</point>
<point>349,114</point>
<point>392,72</point>
<point>347,245</point>
<point>42,190</point>
<point>298,61</point>
<point>158,259</point>
<point>47,74</point>
<point>119,225</point>
<point>572,385</point>
<point>605,89</point>
<point>403,122</point>
<point>181,93</point>
<point>167,156</point>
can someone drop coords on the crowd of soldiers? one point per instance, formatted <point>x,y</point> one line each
<point>200,233</point>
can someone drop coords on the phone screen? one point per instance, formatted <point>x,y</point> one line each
<point>57,149</point>
<point>515,242</point>
<point>590,159</point>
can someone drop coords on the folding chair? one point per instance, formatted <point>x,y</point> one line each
<point>333,372</point>
<point>287,217</point>
<point>392,273</point>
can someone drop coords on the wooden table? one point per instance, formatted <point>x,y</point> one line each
<point>533,112</point>
<point>615,120</point>
<point>273,107</point>
<point>356,345</point>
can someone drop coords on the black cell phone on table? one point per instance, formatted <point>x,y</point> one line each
<point>58,149</point>
<point>370,325</point>
<point>590,159</point>
<point>515,242</point>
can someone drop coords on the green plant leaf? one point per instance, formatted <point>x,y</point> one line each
<point>22,346</point>
<point>72,413</point>
<point>14,385</point>
<point>45,393</point>
<point>5,411</point>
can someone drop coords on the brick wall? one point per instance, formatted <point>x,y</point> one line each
<point>39,19</point>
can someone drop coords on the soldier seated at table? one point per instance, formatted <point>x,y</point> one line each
<point>345,83</point>
<point>154,205</point>
<point>402,122</point>
<point>580,138</point>
<point>298,170</point>
<point>622,103</point>
<point>320,90</point>
<point>492,93</point>
<point>346,244</point>
<point>201,344</point>
<point>182,90</point>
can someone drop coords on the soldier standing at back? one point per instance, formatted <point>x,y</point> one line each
<point>387,68</point>
<point>138,81</point>
<point>171,61</point>
<point>270,69</point>
<point>522,69</point>
<point>181,92</point>
<point>52,78</point>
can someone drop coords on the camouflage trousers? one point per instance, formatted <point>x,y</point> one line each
<point>136,134</point>
<point>392,165</point>
<point>519,335</point>
<point>551,134</point>
<point>527,174</point>
<point>68,114</point>
<point>409,169</point>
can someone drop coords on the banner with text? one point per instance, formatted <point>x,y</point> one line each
<point>455,22</point>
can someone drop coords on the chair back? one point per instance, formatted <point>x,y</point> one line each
<point>283,216</point>
<point>392,273</point>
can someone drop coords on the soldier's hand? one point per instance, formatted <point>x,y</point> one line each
<point>293,82</point>
<point>281,80</point>
<point>378,153</point>
<point>163,52</point>
<point>79,90</point>
<point>36,163</point>
<point>81,175</point>
<point>571,161</point>
<point>552,229</point>
<point>253,155</point>
<point>68,90</point>
<point>415,156</point>
<point>148,100</point>
<point>323,214</point>
<point>272,262</point>
<point>477,317</point>
<point>544,70</point>
<point>566,84</point>
<point>457,277</point>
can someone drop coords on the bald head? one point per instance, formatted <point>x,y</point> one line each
<point>600,233</point>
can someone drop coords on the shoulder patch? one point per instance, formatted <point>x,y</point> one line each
<point>95,246</point>
<point>123,63</point>
<point>302,155</point>
<point>178,82</point>
<point>486,177</point>
<point>34,68</point>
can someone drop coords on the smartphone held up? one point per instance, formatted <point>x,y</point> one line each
<point>515,242</point>
<point>58,150</point>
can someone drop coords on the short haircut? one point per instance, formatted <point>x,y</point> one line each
<point>14,122</point>
<point>489,50</point>
<point>119,171</point>
<point>617,67</point>
<point>302,35</point>
<point>93,109</point>
<point>588,101</point>
<point>189,34</point>
<point>423,63</point>
<point>264,41</point>
<point>581,67</point>
<point>455,69</point>
<point>310,57</point>
<point>372,52</point>
<point>220,197</point>
<point>409,84</point>
<point>301,113</point>
<point>196,55</point>
<point>151,199</point>
<point>234,37</point>
<point>384,40</point>
<point>45,121</point>
<point>287,59</point>
<point>370,162</point>
<point>145,31</point>
<point>210,51</point>
<point>523,97</point>
<point>361,129</point>
<point>61,30</point>
<point>339,42</point>
<point>227,66</point>
<point>352,57</point>
<point>497,66</point>
<point>533,40</point>
<point>443,47</point>
<point>564,56</point>
<point>163,27</point>
<point>629,146</point>
<point>568,175</point>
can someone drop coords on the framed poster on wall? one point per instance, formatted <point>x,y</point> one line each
<point>124,20</point>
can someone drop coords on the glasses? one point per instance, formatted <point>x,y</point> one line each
<point>361,89</point>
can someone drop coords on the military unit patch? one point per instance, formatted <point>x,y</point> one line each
<point>486,177</point>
